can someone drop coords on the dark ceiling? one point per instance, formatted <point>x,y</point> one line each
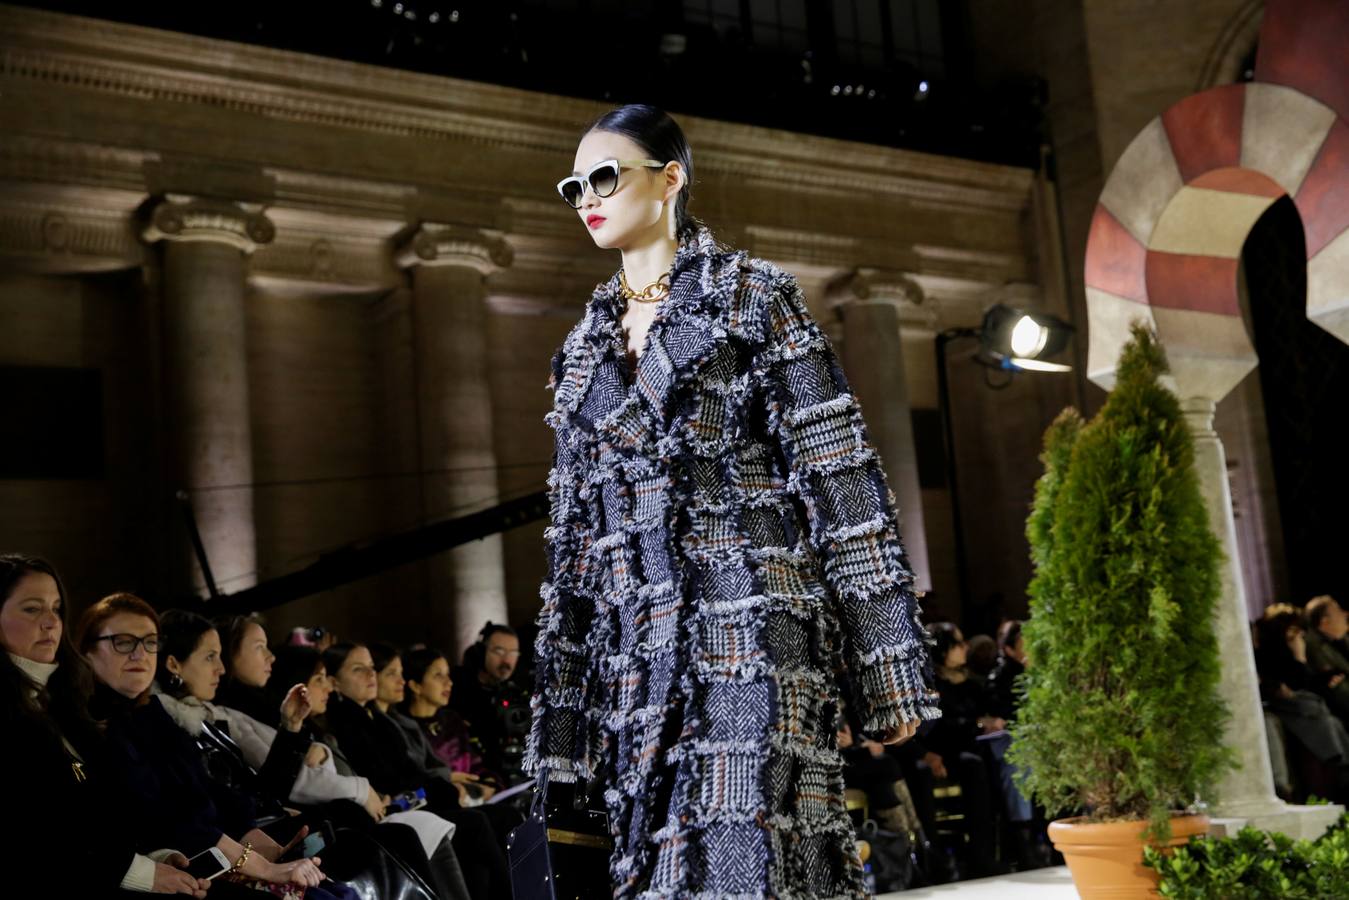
<point>892,72</point>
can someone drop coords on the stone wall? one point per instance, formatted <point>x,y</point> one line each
<point>361,220</point>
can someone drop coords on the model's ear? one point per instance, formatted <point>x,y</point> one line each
<point>173,665</point>
<point>675,178</point>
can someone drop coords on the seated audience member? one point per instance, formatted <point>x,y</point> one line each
<point>1011,663</point>
<point>428,692</point>
<point>157,762</point>
<point>390,693</point>
<point>1031,842</point>
<point>951,749</point>
<point>1288,687</point>
<point>69,838</point>
<point>494,707</point>
<point>869,768</point>
<point>248,667</point>
<point>981,656</point>
<point>191,666</point>
<point>377,748</point>
<point>1328,650</point>
<point>420,839</point>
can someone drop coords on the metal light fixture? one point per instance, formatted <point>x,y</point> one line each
<point>1020,341</point>
<point>1012,340</point>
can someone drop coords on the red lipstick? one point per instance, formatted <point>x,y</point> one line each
<point>594,221</point>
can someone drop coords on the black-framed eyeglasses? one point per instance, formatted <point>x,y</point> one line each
<point>602,178</point>
<point>125,644</point>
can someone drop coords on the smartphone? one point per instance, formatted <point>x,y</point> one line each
<point>312,845</point>
<point>208,864</point>
<point>408,801</point>
<point>322,836</point>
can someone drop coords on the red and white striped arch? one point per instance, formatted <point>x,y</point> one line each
<point>1165,242</point>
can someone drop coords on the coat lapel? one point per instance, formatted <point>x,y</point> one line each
<point>701,314</point>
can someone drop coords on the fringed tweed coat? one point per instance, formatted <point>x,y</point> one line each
<point>722,547</point>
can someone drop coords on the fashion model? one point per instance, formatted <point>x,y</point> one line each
<point>723,548</point>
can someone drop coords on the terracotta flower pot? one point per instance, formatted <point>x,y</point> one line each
<point>1106,858</point>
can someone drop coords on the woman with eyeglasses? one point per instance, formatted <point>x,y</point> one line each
<point>69,837</point>
<point>723,544</point>
<point>158,763</point>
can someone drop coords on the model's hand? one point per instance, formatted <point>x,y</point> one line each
<point>901,732</point>
<point>315,756</point>
<point>936,764</point>
<point>462,777</point>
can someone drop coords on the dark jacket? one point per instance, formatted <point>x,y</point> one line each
<point>178,804</point>
<point>255,702</point>
<point>449,739</point>
<point>375,747</point>
<point>962,705</point>
<point>68,837</point>
<point>1002,695</point>
<point>1276,665</point>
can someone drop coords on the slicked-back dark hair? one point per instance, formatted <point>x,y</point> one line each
<point>661,138</point>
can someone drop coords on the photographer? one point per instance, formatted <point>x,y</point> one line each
<point>495,708</point>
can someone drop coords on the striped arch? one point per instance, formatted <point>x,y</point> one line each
<point>1165,242</point>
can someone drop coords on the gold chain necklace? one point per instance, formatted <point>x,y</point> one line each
<point>653,293</point>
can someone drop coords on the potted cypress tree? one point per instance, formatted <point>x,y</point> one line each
<point>1121,717</point>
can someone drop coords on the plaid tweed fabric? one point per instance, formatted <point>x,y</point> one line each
<point>723,545</point>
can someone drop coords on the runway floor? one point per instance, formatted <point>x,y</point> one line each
<point>1039,884</point>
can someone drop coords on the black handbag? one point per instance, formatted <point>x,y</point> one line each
<point>562,850</point>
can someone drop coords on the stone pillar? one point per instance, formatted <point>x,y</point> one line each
<point>1246,795</point>
<point>207,419</point>
<point>873,356</point>
<point>449,267</point>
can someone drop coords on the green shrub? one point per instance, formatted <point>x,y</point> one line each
<point>1121,716</point>
<point>1255,865</point>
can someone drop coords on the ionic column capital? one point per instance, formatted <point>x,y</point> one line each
<point>433,244</point>
<point>891,288</point>
<point>188,219</point>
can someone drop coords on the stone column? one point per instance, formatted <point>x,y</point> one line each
<point>450,265</point>
<point>873,355</point>
<point>207,418</point>
<point>1247,793</point>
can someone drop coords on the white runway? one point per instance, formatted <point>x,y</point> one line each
<point>1040,884</point>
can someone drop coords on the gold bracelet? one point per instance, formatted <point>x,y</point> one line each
<point>239,863</point>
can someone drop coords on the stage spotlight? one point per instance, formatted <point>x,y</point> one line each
<point>1017,340</point>
<point>922,91</point>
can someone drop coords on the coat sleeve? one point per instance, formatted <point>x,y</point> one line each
<point>323,783</point>
<point>276,754</point>
<point>835,471</point>
<point>557,738</point>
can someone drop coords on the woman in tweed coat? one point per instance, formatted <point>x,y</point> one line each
<point>723,546</point>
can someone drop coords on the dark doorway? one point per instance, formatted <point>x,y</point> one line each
<point>1304,374</point>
